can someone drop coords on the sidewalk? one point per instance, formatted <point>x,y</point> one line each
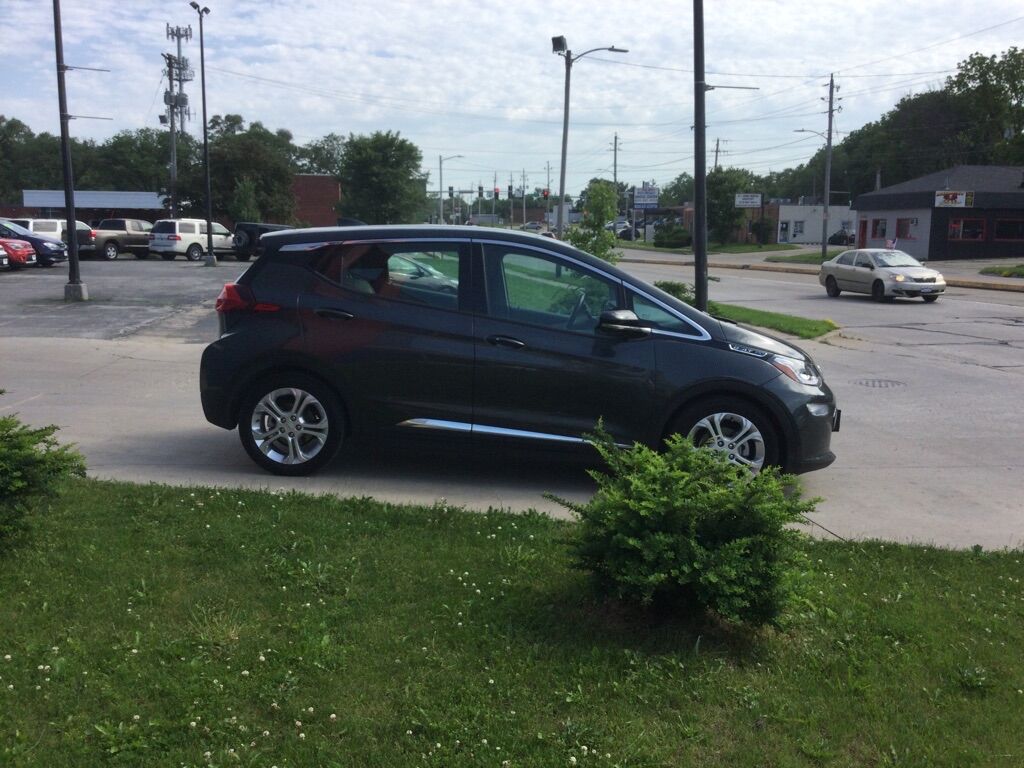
<point>958,274</point>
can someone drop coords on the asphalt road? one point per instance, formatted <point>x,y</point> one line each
<point>929,450</point>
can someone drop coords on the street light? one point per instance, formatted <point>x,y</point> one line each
<point>211,257</point>
<point>440,186</point>
<point>828,183</point>
<point>559,46</point>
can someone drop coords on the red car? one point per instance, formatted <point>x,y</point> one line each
<point>15,254</point>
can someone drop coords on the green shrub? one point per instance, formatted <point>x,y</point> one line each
<point>32,465</point>
<point>686,526</point>
<point>672,236</point>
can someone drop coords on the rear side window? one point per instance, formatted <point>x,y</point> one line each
<point>418,273</point>
<point>164,227</point>
<point>186,228</point>
<point>135,226</point>
<point>46,226</point>
<point>846,258</point>
<point>112,224</point>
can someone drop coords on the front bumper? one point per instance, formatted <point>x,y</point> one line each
<point>910,289</point>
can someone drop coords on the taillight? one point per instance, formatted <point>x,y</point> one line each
<point>92,234</point>
<point>239,298</point>
<point>174,237</point>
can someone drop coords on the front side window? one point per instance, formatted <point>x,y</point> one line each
<point>1009,229</point>
<point>135,226</point>
<point>542,289</point>
<point>186,227</point>
<point>419,273</point>
<point>966,229</point>
<point>220,229</point>
<point>862,259</point>
<point>878,227</point>
<point>658,317</point>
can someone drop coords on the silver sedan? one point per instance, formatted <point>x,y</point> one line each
<point>881,272</point>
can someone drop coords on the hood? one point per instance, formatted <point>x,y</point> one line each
<point>738,334</point>
<point>912,272</point>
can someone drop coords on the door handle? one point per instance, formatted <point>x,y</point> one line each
<point>506,341</point>
<point>333,314</point>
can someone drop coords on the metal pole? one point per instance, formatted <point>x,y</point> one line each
<point>75,289</point>
<point>172,113</point>
<point>700,242</point>
<point>560,226</point>
<point>440,189</point>
<point>524,196</point>
<point>828,171</point>
<point>211,257</point>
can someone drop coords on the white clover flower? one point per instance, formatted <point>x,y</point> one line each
<point>333,717</point>
<point>192,724</point>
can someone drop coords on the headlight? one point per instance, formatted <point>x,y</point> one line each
<point>800,371</point>
<point>52,246</point>
<point>897,277</point>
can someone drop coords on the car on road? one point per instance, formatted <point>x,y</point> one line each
<point>188,237</point>
<point>881,272</point>
<point>48,250</point>
<point>15,254</point>
<point>116,236</point>
<point>533,226</point>
<point>324,340</point>
<point>58,229</point>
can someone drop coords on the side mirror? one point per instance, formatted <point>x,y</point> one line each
<point>622,322</point>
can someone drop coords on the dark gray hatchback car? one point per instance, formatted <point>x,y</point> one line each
<point>329,335</point>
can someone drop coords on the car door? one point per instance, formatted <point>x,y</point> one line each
<point>862,273</point>
<point>222,241</point>
<point>137,237</point>
<point>401,354</point>
<point>543,370</point>
<point>843,268</point>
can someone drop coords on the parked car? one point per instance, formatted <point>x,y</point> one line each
<point>418,273</point>
<point>48,250</point>
<point>58,229</point>
<point>322,343</point>
<point>842,237</point>
<point>533,226</point>
<point>247,236</point>
<point>15,254</point>
<point>115,236</point>
<point>170,237</point>
<point>881,272</point>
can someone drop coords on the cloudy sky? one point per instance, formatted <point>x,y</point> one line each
<point>479,79</point>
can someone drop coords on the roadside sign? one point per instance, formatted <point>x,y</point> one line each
<point>748,200</point>
<point>948,199</point>
<point>645,197</point>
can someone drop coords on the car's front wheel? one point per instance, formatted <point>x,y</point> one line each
<point>831,287</point>
<point>930,299</point>
<point>194,252</point>
<point>739,430</point>
<point>291,424</point>
<point>877,291</point>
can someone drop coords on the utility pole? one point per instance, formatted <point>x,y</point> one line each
<point>494,195</point>
<point>524,195</point>
<point>700,203</point>
<point>511,203</point>
<point>547,216</point>
<point>828,169</point>
<point>715,166</point>
<point>615,170</point>
<point>178,72</point>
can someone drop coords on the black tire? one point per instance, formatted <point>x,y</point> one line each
<point>242,256</point>
<point>930,299</point>
<point>110,250</point>
<point>754,451</point>
<point>168,256</point>
<point>831,288</point>
<point>321,412</point>
<point>194,252</point>
<point>877,291</point>
<point>142,255</point>
<point>241,240</point>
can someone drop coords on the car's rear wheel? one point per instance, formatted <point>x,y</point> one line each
<point>242,256</point>
<point>142,255</point>
<point>740,431</point>
<point>168,256</point>
<point>194,252</point>
<point>291,424</point>
<point>110,251</point>
<point>831,287</point>
<point>877,291</point>
<point>930,299</point>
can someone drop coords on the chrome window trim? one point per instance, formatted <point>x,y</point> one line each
<point>702,334</point>
<point>554,254</point>
<point>312,246</point>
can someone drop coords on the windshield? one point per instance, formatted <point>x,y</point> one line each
<point>895,259</point>
<point>16,228</point>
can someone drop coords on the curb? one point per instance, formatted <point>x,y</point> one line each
<point>955,282</point>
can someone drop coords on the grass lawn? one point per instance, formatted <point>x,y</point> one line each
<point>713,247</point>
<point>805,258</point>
<point>1017,271</point>
<point>149,625</point>
<point>804,327</point>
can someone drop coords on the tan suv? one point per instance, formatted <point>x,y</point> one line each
<point>170,237</point>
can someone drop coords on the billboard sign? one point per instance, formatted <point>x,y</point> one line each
<point>646,197</point>
<point>748,200</point>
<point>947,199</point>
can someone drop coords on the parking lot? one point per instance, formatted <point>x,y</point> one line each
<point>928,450</point>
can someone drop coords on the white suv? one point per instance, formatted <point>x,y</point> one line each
<point>169,237</point>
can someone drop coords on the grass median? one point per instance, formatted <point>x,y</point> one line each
<point>150,625</point>
<point>805,258</point>
<point>1012,271</point>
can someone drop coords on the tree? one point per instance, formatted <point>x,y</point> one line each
<point>677,191</point>
<point>323,155</point>
<point>722,186</point>
<point>243,205</point>
<point>601,206</point>
<point>381,181</point>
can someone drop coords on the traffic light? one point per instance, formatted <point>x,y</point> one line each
<point>451,192</point>
<point>497,193</point>
<point>480,191</point>
<point>509,191</point>
<point>545,193</point>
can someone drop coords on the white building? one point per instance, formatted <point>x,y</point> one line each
<point>802,223</point>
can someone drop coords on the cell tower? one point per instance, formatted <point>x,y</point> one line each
<point>179,72</point>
